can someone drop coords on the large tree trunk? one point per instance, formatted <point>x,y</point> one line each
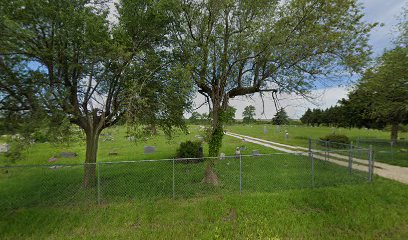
<point>92,138</point>
<point>214,145</point>
<point>394,132</point>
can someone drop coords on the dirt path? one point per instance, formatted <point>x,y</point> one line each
<point>396,173</point>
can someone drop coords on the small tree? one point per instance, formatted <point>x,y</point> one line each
<point>281,117</point>
<point>248,114</point>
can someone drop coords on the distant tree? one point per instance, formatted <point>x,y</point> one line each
<point>248,114</point>
<point>195,117</point>
<point>306,118</point>
<point>229,115</point>
<point>281,117</point>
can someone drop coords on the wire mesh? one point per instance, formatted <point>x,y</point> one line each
<point>54,185</point>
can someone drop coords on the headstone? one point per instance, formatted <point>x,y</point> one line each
<point>52,159</point>
<point>277,129</point>
<point>149,149</point>
<point>113,154</point>
<point>222,156</point>
<point>286,135</point>
<point>131,138</point>
<point>199,137</point>
<point>242,148</point>
<point>237,152</point>
<point>68,154</point>
<point>255,152</point>
<point>4,148</point>
<point>265,131</point>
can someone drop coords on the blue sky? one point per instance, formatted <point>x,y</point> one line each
<point>385,12</point>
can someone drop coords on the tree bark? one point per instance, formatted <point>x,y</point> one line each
<point>92,138</point>
<point>394,132</point>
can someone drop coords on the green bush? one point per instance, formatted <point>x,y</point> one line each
<point>190,149</point>
<point>336,141</point>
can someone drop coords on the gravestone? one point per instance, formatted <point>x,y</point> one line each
<point>237,152</point>
<point>277,130</point>
<point>131,138</point>
<point>286,135</point>
<point>265,131</point>
<point>149,149</point>
<point>113,154</point>
<point>4,148</point>
<point>242,148</point>
<point>222,156</point>
<point>52,159</point>
<point>255,152</point>
<point>68,154</point>
<point>199,137</point>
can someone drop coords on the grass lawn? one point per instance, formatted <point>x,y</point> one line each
<point>277,199</point>
<point>39,153</point>
<point>299,135</point>
<point>367,211</point>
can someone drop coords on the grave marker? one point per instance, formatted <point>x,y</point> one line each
<point>149,149</point>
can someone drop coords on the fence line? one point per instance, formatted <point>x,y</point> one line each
<point>38,185</point>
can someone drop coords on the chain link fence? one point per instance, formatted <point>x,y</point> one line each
<point>385,150</point>
<point>45,185</point>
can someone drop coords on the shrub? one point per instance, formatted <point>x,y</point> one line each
<point>190,149</point>
<point>336,141</point>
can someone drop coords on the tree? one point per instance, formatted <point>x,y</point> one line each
<point>306,117</point>
<point>248,114</point>
<point>195,117</point>
<point>281,117</point>
<point>384,89</point>
<point>63,60</point>
<point>236,48</point>
<point>229,115</point>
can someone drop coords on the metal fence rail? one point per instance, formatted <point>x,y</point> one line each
<point>60,185</point>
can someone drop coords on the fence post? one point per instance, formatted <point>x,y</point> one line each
<point>370,163</point>
<point>240,173</point>
<point>174,182</point>
<point>358,147</point>
<point>312,160</point>
<point>350,163</point>
<point>99,183</point>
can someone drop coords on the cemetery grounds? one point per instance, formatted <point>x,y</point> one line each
<point>293,209</point>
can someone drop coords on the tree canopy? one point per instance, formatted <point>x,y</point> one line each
<point>64,60</point>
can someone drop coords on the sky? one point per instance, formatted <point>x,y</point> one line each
<point>385,12</point>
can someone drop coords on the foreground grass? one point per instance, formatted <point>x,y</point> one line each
<point>299,136</point>
<point>366,211</point>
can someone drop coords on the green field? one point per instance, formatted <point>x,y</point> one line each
<point>368,211</point>
<point>280,198</point>
<point>299,135</point>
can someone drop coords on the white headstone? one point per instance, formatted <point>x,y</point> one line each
<point>265,131</point>
<point>222,156</point>
<point>4,148</point>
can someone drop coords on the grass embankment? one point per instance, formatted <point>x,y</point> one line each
<point>368,211</point>
<point>299,135</point>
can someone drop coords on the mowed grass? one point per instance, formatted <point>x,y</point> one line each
<point>277,199</point>
<point>126,150</point>
<point>120,182</point>
<point>368,211</point>
<point>299,136</point>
